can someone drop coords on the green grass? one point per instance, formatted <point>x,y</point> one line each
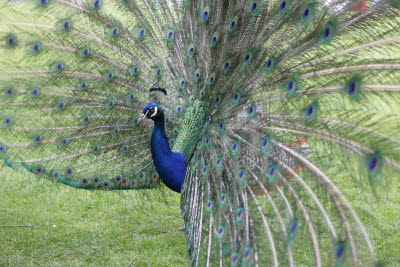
<point>93,228</point>
<point>85,228</point>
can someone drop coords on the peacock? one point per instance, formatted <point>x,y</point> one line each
<point>253,110</point>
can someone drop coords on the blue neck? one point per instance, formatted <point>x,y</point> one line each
<point>171,166</point>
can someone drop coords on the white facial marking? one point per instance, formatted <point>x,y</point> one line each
<point>155,112</point>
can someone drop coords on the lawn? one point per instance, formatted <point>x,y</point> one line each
<point>75,227</point>
<point>86,228</point>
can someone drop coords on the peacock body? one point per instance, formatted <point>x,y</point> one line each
<point>259,108</point>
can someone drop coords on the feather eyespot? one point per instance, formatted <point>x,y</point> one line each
<point>197,75</point>
<point>66,25</point>
<point>37,139</point>
<point>64,141</point>
<point>86,119</point>
<point>234,146</point>
<point>95,181</point>
<point>133,184</point>
<point>239,213</point>
<point>272,171</point>
<point>34,92</point>
<point>10,41</point>
<point>373,164</point>
<point>282,5</point>
<point>293,228</point>
<point>306,13</point>
<point>39,170</point>
<point>212,79</point>
<point>327,32</point>
<point>35,47</point>
<point>96,4</point>
<point>124,182</point>
<point>2,148</point>
<point>191,49</point>
<point>9,91</point>
<point>290,85</point>
<point>223,198</point>
<point>264,143</point>
<point>134,70</point>
<point>55,175</point>
<point>352,88</point>
<point>202,93</point>
<point>205,13</point>
<point>84,182</point>
<point>158,72</point>
<point>58,67</point>
<point>106,185</point>
<point>226,65</point>
<point>247,254</point>
<point>310,110</point>
<point>170,35</point>
<point>7,121</point>
<point>247,57</point>
<point>68,172</point>
<point>182,83</point>
<point>340,251</point>
<point>250,110</point>
<point>214,39</point>
<point>234,259</point>
<point>142,33</point>
<point>254,7</point>
<point>220,231</point>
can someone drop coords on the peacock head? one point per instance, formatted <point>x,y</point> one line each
<point>152,111</point>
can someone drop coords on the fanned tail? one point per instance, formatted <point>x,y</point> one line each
<point>75,78</point>
<point>286,71</point>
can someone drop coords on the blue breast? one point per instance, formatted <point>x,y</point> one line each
<point>171,166</point>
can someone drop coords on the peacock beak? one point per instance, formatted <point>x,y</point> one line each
<point>143,116</point>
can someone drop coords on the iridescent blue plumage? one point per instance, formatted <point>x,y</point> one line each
<point>171,166</point>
